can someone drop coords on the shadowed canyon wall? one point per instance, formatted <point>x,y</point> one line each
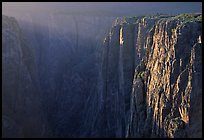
<point>63,78</point>
<point>21,94</point>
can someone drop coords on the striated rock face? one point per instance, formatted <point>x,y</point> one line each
<point>170,66</point>
<point>21,96</point>
<point>144,80</point>
<point>120,57</point>
<point>162,56</point>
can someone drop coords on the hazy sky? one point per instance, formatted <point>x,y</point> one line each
<point>124,8</point>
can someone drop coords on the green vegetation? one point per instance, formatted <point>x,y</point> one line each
<point>141,75</point>
<point>134,18</point>
<point>199,18</point>
<point>189,18</point>
<point>177,119</point>
<point>173,30</point>
<point>176,124</point>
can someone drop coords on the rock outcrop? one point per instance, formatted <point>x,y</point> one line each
<point>22,114</point>
<point>158,98</point>
<point>144,80</point>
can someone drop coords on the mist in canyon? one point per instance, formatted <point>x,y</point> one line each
<point>101,69</point>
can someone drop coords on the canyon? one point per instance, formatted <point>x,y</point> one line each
<point>101,76</point>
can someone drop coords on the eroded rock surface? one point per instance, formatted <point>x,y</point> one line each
<point>162,50</point>
<point>22,114</point>
<point>145,81</point>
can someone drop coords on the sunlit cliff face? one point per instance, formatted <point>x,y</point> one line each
<point>121,36</point>
<point>61,80</point>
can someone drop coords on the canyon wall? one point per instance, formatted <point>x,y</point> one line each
<point>149,70</point>
<point>152,72</point>
<point>65,55</point>
<point>61,78</point>
<point>22,114</point>
<point>170,71</point>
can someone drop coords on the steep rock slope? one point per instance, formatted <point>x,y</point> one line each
<point>21,96</point>
<point>67,54</point>
<point>121,54</point>
<point>149,81</point>
<point>151,73</point>
<point>172,64</point>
